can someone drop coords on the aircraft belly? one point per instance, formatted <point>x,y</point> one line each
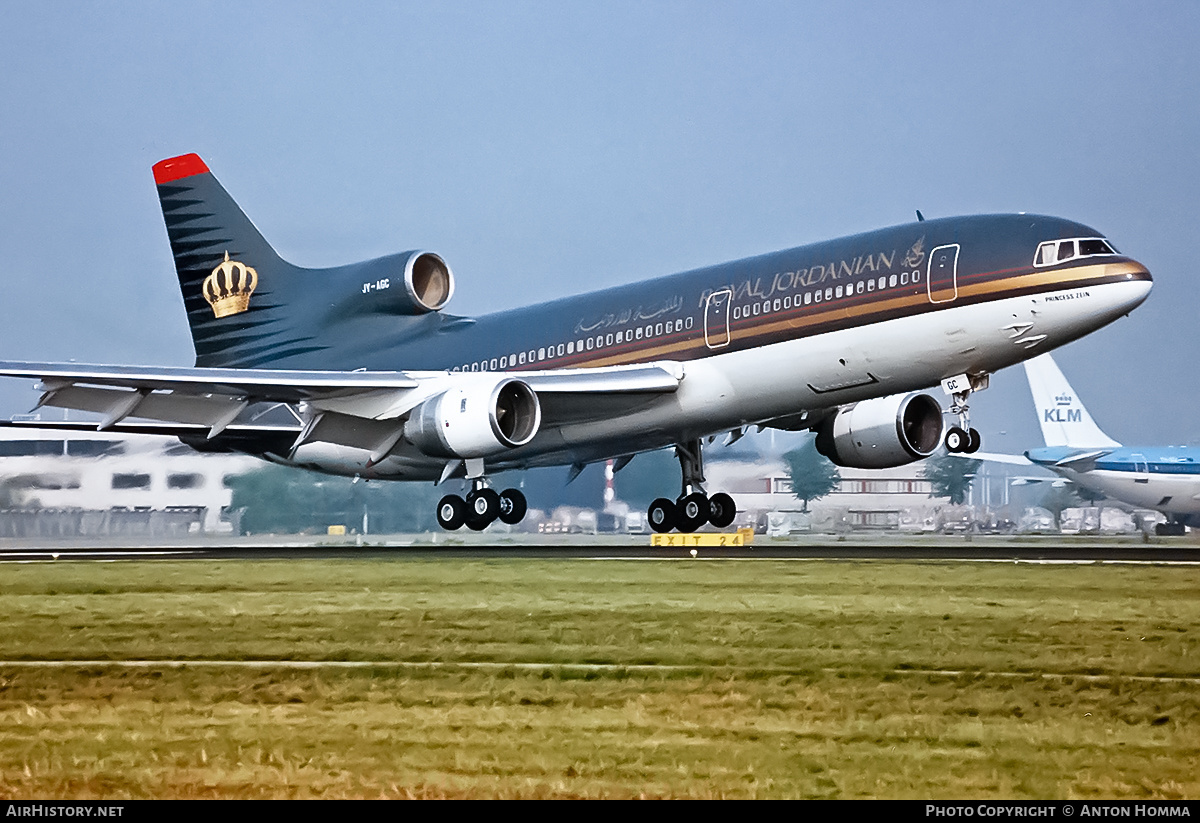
<point>1148,493</point>
<point>727,391</point>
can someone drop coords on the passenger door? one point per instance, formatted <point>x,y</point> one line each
<point>943,274</point>
<point>716,319</point>
<point>1141,471</point>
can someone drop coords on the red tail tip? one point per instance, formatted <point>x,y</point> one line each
<point>175,168</point>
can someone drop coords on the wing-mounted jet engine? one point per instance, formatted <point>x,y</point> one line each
<point>883,432</point>
<point>477,417</point>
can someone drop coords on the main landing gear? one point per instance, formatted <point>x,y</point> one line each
<point>482,506</point>
<point>693,508</point>
<point>962,439</point>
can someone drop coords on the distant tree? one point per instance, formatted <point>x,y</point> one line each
<point>1061,495</point>
<point>813,475</point>
<point>648,476</point>
<point>12,496</point>
<point>277,499</point>
<point>950,476</point>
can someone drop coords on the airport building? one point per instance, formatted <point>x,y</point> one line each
<point>55,483</point>
<point>93,484</point>
<point>864,499</point>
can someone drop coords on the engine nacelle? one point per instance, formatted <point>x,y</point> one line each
<point>480,415</point>
<point>408,283</point>
<point>428,281</point>
<point>882,433</point>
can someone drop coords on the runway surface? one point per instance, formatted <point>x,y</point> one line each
<point>1040,548</point>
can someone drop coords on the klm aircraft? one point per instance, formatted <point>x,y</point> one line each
<point>1166,479</point>
<point>377,380</point>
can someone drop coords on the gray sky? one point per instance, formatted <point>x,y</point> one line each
<point>546,149</point>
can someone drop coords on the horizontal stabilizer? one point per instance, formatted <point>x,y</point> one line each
<point>1075,460</point>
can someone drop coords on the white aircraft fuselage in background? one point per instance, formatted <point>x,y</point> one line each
<point>1163,478</point>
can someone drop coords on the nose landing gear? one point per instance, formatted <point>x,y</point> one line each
<point>693,508</point>
<point>962,439</point>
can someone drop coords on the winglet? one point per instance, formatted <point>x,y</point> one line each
<point>176,168</point>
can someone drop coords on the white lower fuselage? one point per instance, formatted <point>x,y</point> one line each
<point>1142,487</point>
<point>728,391</point>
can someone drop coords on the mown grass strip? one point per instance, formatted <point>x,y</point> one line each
<point>490,678</point>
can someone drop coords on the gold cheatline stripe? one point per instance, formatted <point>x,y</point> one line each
<point>1054,277</point>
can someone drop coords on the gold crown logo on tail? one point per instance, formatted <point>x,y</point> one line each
<point>229,287</point>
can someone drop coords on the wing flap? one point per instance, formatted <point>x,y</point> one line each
<point>375,436</point>
<point>212,411</point>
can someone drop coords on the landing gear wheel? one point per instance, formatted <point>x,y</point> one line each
<point>961,438</point>
<point>693,512</point>
<point>721,510</point>
<point>1169,530</point>
<point>483,506</point>
<point>661,515</point>
<point>451,512</point>
<point>512,506</point>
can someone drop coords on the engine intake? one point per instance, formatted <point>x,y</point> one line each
<point>478,417</point>
<point>883,432</point>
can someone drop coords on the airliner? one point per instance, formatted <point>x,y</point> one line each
<point>1166,479</point>
<point>376,380</point>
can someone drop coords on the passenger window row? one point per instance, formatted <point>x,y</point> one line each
<point>597,342</point>
<point>871,284</point>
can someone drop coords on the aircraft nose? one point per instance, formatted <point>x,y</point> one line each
<point>1140,280</point>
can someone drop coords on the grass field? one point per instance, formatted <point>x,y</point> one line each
<point>530,678</point>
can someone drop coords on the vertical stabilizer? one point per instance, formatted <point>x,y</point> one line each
<point>236,289</point>
<point>1063,418</point>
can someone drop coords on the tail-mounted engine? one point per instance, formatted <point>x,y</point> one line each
<point>410,283</point>
<point>478,417</point>
<point>428,281</point>
<point>882,433</point>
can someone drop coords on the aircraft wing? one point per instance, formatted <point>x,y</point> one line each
<point>1011,459</point>
<point>191,400</point>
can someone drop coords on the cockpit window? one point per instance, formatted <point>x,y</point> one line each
<point>1059,251</point>
<point>1094,246</point>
